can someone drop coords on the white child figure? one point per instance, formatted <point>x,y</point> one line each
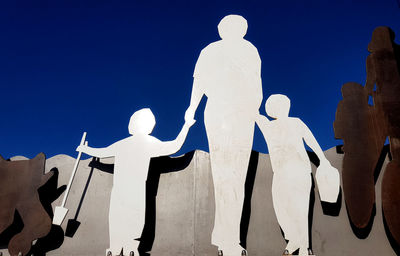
<point>291,184</point>
<point>131,164</point>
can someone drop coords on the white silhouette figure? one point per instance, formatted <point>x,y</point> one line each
<point>291,185</point>
<point>132,158</point>
<point>228,72</point>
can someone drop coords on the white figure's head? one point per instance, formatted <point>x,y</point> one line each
<point>232,27</point>
<point>142,121</point>
<point>277,106</point>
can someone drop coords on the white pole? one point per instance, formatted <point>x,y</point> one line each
<point>74,170</point>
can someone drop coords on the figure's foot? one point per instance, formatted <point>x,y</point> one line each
<point>131,253</point>
<point>244,252</point>
<point>220,253</point>
<point>304,252</point>
<point>286,252</point>
<point>310,252</point>
<point>290,248</point>
<point>108,252</point>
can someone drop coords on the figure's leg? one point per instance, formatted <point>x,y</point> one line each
<point>281,199</point>
<point>115,225</point>
<point>229,169</point>
<point>230,139</point>
<point>229,180</point>
<point>135,223</point>
<point>300,212</point>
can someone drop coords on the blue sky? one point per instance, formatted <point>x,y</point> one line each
<point>75,66</point>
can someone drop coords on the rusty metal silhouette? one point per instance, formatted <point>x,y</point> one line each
<point>19,184</point>
<point>364,128</point>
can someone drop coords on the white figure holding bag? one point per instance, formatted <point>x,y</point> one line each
<point>291,185</point>
<point>132,159</point>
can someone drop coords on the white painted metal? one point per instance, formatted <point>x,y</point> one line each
<point>285,137</point>
<point>328,182</point>
<point>228,72</point>
<point>60,211</point>
<point>132,158</point>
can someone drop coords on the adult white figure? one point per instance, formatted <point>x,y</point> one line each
<point>132,159</point>
<point>291,184</point>
<point>228,72</point>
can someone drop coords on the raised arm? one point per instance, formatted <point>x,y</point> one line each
<point>97,152</point>
<point>170,147</point>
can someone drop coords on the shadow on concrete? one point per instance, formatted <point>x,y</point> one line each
<point>73,224</point>
<point>11,231</point>
<point>248,192</point>
<point>392,241</point>
<point>333,209</point>
<point>158,165</point>
<point>378,168</point>
<point>48,193</point>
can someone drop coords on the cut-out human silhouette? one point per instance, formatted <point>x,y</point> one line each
<point>363,143</point>
<point>228,72</point>
<point>132,158</point>
<point>291,185</point>
<point>383,70</point>
<point>364,129</point>
<point>19,184</point>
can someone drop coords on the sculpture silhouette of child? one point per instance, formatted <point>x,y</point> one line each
<point>132,159</point>
<point>292,182</point>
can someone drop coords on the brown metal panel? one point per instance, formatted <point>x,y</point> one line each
<point>358,125</point>
<point>391,198</point>
<point>383,70</point>
<point>19,185</point>
<point>364,129</point>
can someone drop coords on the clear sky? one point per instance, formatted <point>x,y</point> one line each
<point>82,65</point>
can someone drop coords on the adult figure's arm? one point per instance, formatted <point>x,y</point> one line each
<point>200,72</point>
<point>258,82</point>
<point>262,121</point>
<point>197,94</point>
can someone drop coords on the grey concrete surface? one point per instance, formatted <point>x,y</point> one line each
<point>180,211</point>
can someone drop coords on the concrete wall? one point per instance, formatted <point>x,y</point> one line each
<point>180,211</point>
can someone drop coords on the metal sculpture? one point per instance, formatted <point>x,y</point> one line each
<point>132,159</point>
<point>19,184</point>
<point>60,211</point>
<point>291,184</point>
<point>228,72</point>
<point>364,128</point>
<point>363,138</point>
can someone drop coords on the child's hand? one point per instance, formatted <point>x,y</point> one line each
<point>189,114</point>
<point>81,148</point>
<point>325,162</point>
<point>189,122</point>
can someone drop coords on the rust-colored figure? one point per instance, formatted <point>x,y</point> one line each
<point>383,70</point>
<point>364,129</point>
<point>363,141</point>
<point>19,183</point>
